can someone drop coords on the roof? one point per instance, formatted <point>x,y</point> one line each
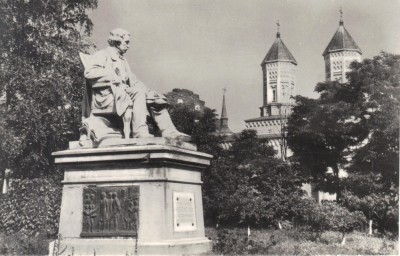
<point>342,41</point>
<point>278,52</point>
<point>265,118</point>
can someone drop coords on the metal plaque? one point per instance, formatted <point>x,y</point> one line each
<point>110,211</point>
<point>184,212</point>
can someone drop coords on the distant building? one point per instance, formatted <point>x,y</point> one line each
<point>340,52</point>
<point>185,97</point>
<point>223,127</point>
<point>279,81</point>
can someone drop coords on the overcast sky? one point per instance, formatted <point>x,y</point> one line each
<point>206,45</point>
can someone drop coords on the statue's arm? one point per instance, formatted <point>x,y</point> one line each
<point>134,82</point>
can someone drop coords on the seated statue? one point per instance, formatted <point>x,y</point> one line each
<point>112,90</point>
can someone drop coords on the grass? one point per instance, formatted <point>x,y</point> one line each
<point>295,242</point>
<point>235,241</point>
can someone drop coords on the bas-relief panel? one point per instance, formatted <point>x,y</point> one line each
<point>110,211</point>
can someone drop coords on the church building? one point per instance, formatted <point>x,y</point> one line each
<point>279,80</point>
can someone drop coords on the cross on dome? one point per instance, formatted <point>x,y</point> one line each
<point>341,16</point>
<point>278,34</point>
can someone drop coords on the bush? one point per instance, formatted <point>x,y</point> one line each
<point>328,217</point>
<point>19,244</point>
<point>235,241</point>
<point>31,208</point>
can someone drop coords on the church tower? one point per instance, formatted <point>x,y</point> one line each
<point>223,128</point>
<point>340,52</point>
<point>278,69</point>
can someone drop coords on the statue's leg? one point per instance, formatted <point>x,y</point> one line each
<point>127,119</point>
<point>139,126</point>
<point>164,122</point>
<point>84,133</point>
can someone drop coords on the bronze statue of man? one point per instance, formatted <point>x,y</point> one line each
<point>132,99</point>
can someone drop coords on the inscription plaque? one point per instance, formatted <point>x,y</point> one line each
<point>110,211</point>
<point>184,212</point>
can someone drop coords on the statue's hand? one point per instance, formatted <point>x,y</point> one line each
<point>129,90</point>
<point>116,80</point>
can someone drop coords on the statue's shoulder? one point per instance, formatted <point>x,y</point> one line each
<point>99,57</point>
<point>104,53</point>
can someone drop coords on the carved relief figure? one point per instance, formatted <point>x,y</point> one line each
<point>93,210</point>
<point>108,211</point>
<point>116,209</point>
<point>102,211</point>
<point>131,218</point>
<point>89,211</point>
<point>113,85</point>
<point>86,212</point>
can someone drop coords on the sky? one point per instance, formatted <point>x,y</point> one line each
<point>207,45</point>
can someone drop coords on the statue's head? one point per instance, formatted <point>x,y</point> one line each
<point>119,38</point>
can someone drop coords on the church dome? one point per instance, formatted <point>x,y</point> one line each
<point>278,52</point>
<point>341,41</point>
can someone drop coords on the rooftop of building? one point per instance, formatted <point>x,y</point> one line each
<point>266,118</point>
<point>278,52</point>
<point>341,41</point>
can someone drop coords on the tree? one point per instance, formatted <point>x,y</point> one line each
<point>248,185</point>
<point>199,123</point>
<point>378,81</point>
<point>42,80</point>
<point>320,136</point>
<point>373,182</point>
<point>351,125</point>
<point>31,208</point>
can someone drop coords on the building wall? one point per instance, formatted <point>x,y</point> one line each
<point>280,82</point>
<point>337,65</point>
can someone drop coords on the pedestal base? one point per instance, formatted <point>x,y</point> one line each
<point>131,200</point>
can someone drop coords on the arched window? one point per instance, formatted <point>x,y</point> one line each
<point>274,95</point>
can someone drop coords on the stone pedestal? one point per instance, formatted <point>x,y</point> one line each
<point>132,200</point>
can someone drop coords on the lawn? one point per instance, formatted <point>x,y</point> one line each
<point>295,242</point>
<point>235,241</point>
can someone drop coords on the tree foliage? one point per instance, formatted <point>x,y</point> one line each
<point>248,185</point>
<point>42,80</point>
<point>31,207</point>
<point>199,124</point>
<point>329,216</point>
<point>354,125</point>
